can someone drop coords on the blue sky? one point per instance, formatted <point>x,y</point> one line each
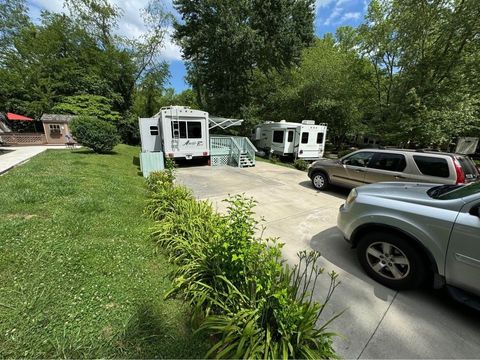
<point>330,15</point>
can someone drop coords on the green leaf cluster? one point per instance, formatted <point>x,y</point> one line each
<point>239,288</point>
<point>93,133</point>
<point>225,41</point>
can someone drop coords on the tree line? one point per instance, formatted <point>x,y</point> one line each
<point>409,75</point>
<point>76,63</point>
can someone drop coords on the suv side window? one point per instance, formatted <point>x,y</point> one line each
<point>358,159</point>
<point>432,166</point>
<point>388,162</point>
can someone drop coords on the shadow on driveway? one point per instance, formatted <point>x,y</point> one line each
<point>335,191</point>
<point>333,247</point>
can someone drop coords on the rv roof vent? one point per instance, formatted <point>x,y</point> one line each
<point>308,122</point>
<point>283,121</point>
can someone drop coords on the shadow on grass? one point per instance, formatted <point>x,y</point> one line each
<point>90,151</point>
<point>154,333</point>
<point>136,161</point>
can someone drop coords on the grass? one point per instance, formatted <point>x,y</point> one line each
<point>79,276</point>
<point>277,162</point>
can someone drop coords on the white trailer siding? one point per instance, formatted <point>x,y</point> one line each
<point>300,140</point>
<point>185,133</point>
<point>179,132</point>
<point>311,143</point>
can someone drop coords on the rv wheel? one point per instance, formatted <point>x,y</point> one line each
<point>320,181</point>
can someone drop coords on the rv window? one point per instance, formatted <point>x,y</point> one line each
<point>179,129</point>
<point>320,138</point>
<point>290,136</point>
<point>153,130</point>
<point>278,136</point>
<point>304,137</point>
<point>194,130</point>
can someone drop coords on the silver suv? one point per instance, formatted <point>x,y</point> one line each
<point>408,233</point>
<point>376,165</point>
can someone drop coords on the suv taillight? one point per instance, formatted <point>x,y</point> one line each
<point>459,171</point>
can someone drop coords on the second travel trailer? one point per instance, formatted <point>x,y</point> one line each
<point>304,140</point>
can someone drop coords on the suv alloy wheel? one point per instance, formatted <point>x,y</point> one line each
<point>391,260</point>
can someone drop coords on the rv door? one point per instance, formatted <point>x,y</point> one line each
<point>290,142</point>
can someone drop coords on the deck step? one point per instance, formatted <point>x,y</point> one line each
<point>245,161</point>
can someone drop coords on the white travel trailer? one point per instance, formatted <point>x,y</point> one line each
<point>303,140</point>
<point>177,131</point>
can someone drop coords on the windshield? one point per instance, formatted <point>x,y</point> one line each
<point>450,192</point>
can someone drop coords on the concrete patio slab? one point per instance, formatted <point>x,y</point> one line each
<point>378,322</point>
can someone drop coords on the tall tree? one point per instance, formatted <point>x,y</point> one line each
<point>98,17</point>
<point>225,41</point>
<point>422,51</point>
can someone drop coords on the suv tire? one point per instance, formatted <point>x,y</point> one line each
<point>391,260</point>
<point>320,181</point>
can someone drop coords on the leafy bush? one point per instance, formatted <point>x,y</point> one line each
<point>301,165</point>
<point>237,284</point>
<point>274,159</point>
<point>94,133</point>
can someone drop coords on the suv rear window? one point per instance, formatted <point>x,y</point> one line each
<point>468,167</point>
<point>432,166</point>
<point>388,161</point>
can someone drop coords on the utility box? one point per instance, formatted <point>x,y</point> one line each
<point>151,161</point>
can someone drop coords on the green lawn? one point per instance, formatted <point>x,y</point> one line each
<point>79,276</point>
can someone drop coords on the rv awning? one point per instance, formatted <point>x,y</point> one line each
<point>223,123</point>
<point>12,116</point>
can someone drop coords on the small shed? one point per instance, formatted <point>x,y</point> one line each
<point>56,128</point>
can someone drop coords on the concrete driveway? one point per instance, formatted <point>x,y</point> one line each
<point>378,322</point>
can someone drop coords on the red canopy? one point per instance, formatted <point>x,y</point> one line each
<point>12,116</point>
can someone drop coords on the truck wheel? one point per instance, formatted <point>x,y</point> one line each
<point>320,181</point>
<point>390,259</point>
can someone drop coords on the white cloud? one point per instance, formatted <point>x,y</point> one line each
<point>338,14</point>
<point>322,3</point>
<point>130,25</point>
<point>350,16</point>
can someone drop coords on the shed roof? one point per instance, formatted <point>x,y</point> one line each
<point>57,118</point>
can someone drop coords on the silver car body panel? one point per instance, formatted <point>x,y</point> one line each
<point>463,256</point>
<point>445,228</point>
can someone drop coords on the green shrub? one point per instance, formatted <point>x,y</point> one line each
<point>237,284</point>
<point>94,133</point>
<point>274,159</point>
<point>301,165</point>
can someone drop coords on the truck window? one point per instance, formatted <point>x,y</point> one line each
<point>432,166</point>
<point>278,136</point>
<point>305,137</point>
<point>194,130</point>
<point>320,138</point>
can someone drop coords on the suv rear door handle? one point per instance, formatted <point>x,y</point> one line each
<point>399,177</point>
<point>359,170</point>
